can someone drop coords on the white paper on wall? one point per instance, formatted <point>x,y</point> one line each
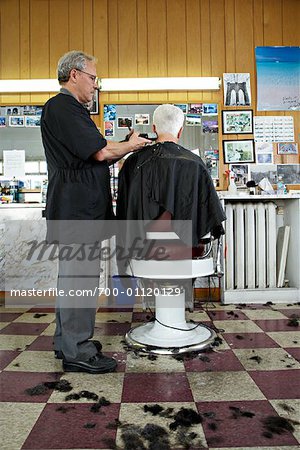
<point>274,129</point>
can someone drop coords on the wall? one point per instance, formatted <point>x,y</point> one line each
<point>145,38</point>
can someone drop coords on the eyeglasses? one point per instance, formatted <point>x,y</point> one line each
<point>92,77</point>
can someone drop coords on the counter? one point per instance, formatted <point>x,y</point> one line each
<point>21,205</point>
<point>20,224</point>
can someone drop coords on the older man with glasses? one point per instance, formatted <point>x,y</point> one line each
<point>77,157</point>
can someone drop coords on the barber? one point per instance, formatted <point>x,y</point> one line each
<point>77,157</point>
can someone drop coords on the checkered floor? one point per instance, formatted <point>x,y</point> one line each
<point>251,376</point>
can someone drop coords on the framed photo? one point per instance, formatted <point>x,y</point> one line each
<point>209,109</point>
<point>241,174</point>
<point>264,147</point>
<point>182,106</point>
<point>193,120</point>
<point>125,122</point>
<point>264,158</point>
<point>287,149</point>
<point>210,126</point>
<point>238,151</point>
<point>32,121</point>
<point>237,122</point>
<point>16,121</point>
<point>109,128</point>
<point>94,107</point>
<point>195,108</point>
<point>237,89</point>
<point>32,110</point>
<point>141,119</point>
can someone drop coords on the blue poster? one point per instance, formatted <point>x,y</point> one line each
<point>278,78</point>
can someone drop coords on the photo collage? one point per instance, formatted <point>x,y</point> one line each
<point>200,131</point>
<point>270,151</point>
<point>20,116</point>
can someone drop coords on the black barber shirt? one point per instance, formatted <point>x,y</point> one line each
<point>78,185</point>
<point>167,177</point>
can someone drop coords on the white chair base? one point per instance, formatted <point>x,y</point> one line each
<point>170,333</point>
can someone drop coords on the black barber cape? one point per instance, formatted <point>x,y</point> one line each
<point>78,185</point>
<point>167,177</point>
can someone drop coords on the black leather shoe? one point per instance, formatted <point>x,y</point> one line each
<point>58,353</point>
<point>96,364</point>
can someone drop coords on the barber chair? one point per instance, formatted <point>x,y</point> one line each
<point>170,332</point>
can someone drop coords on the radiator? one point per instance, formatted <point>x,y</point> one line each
<point>250,245</point>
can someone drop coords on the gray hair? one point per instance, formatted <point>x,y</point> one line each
<point>72,60</point>
<point>168,119</point>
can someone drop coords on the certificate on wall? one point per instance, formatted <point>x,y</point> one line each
<point>14,163</point>
<point>274,129</point>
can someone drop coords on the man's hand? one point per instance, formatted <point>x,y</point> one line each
<point>116,150</point>
<point>137,142</point>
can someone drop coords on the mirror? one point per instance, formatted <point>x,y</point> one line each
<point>200,133</point>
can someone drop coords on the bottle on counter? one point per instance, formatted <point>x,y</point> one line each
<point>281,187</point>
<point>44,190</point>
<point>14,190</point>
<point>232,189</point>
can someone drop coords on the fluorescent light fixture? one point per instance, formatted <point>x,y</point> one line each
<point>160,84</point>
<point>37,85</point>
<point>118,84</point>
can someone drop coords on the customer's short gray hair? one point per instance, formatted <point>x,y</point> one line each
<point>72,60</point>
<point>168,119</point>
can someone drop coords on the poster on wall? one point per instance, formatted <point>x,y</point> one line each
<point>109,112</point>
<point>260,171</point>
<point>287,149</point>
<point>278,78</point>
<point>289,172</point>
<point>237,89</point>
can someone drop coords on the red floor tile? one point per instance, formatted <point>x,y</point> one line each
<point>6,357</point>
<point>114,309</point>
<point>156,387</point>
<point>294,352</point>
<point>113,329</point>
<point>213,362</point>
<point>121,359</point>
<point>57,430</point>
<point>275,325</point>
<point>21,328</point>
<point>14,384</point>
<point>9,317</point>
<point>42,310</point>
<point>42,343</point>
<point>241,431</point>
<point>249,340</point>
<point>290,312</point>
<point>277,384</point>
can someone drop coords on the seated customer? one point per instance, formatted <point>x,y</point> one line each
<point>166,177</point>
